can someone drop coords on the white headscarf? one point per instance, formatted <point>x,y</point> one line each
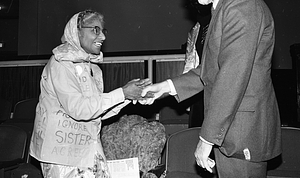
<point>71,50</point>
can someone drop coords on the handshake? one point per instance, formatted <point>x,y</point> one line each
<point>143,91</point>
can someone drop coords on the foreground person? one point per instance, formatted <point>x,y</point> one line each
<point>66,135</point>
<point>241,117</point>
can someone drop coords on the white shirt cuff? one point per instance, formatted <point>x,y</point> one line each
<point>202,139</point>
<point>172,88</point>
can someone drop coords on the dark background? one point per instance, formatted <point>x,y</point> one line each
<point>34,27</point>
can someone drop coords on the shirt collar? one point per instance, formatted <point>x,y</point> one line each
<point>215,2</point>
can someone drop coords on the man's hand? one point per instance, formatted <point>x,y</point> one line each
<point>202,152</point>
<point>157,90</point>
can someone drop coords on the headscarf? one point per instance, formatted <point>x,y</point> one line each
<point>70,49</point>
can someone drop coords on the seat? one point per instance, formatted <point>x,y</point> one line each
<point>288,163</point>
<point>12,148</point>
<point>180,159</point>
<point>5,110</point>
<point>25,109</point>
<point>23,117</point>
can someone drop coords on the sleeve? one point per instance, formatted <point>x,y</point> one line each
<point>188,84</point>
<point>240,37</point>
<point>78,105</point>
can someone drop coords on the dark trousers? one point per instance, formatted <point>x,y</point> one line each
<point>228,167</point>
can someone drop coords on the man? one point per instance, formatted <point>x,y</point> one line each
<point>241,117</point>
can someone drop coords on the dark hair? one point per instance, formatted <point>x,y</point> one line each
<point>87,17</point>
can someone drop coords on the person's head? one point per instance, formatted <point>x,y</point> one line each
<point>91,32</point>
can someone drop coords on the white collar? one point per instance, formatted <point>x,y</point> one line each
<point>215,2</point>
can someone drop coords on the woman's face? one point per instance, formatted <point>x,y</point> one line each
<point>205,2</point>
<point>91,37</point>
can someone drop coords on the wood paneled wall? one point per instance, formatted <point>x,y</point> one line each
<point>116,75</point>
<point>19,83</point>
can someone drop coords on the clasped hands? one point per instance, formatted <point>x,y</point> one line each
<point>143,91</point>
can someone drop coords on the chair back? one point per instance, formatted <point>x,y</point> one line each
<point>180,150</point>
<point>288,163</point>
<point>13,142</point>
<point>5,110</point>
<point>25,109</point>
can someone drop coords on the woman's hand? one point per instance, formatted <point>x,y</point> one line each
<point>133,89</point>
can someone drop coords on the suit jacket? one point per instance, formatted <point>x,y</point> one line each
<point>241,114</point>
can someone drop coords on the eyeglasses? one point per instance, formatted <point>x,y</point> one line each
<point>97,30</point>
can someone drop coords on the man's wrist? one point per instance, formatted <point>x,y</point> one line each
<point>172,88</point>
<point>207,142</point>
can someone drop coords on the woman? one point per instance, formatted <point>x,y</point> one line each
<point>66,135</point>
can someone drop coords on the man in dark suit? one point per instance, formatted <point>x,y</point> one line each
<point>241,117</point>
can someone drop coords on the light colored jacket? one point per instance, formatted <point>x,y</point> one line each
<point>72,105</point>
